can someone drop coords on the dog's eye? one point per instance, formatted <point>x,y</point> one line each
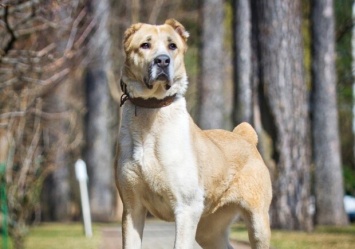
<point>145,45</point>
<point>172,46</point>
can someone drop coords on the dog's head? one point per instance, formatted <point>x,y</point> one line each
<point>154,64</point>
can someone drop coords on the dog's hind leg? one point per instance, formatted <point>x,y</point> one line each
<point>132,226</point>
<point>213,230</point>
<point>257,222</point>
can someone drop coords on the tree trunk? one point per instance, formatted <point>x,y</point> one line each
<point>58,197</point>
<point>135,11</point>
<point>212,102</point>
<point>99,148</point>
<point>353,83</point>
<point>329,188</point>
<point>285,92</point>
<point>59,191</point>
<point>243,98</point>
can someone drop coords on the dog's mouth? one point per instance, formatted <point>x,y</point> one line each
<point>163,76</point>
<point>157,74</point>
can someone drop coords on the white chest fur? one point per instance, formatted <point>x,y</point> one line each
<point>157,157</point>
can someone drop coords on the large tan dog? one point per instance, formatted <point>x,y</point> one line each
<point>170,167</point>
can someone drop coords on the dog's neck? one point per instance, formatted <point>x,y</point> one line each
<point>151,103</point>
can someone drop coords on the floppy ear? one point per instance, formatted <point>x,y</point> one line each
<point>178,28</point>
<point>128,34</point>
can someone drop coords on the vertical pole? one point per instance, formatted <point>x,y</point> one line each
<point>85,207</point>
<point>3,207</point>
<point>82,177</point>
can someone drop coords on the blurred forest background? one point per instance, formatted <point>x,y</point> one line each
<point>285,66</point>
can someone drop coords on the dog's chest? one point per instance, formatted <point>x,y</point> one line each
<point>158,154</point>
<point>161,153</point>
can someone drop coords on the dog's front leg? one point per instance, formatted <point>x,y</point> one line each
<point>132,226</point>
<point>186,220</point>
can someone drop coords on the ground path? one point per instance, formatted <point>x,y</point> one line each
<point>157,235</point>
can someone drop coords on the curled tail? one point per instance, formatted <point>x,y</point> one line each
<point>247,132</point>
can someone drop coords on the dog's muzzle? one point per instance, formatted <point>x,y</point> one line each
<point>159,71</point>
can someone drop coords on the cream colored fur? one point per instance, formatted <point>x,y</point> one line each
<point>173,169</point>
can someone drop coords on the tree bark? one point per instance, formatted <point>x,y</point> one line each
<point>99,148</point>
<point>58,197</point>
<point>282,82</point>
<point>329,188</point>
<point>135,11</point>
<point>243,97</point>
<point>212,102</point>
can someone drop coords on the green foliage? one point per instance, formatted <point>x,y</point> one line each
<point>349,180</point>
<point>228,25</point>
<point>343,15</point>
<point>343,27</point>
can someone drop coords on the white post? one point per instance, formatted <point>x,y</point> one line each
<point>82,177</point>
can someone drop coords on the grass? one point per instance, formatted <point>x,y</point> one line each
<point>321,238</point>
<point>61,235</point>
<point>71,236</point>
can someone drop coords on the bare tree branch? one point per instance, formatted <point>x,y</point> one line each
<point>29,157</point>
<point>41,44</point>
<point>18,7</point>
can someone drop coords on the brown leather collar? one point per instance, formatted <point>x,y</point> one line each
<point>151,103</point>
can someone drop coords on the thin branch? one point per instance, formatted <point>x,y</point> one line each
<point>32,30</point>
<point>8,83</point>
<point>54,65</point>
<point>18,7</point>
<point>55,77</point>
<point>344,29</point>
<point>36,112</point>
<point>29,156</point>
<point>46,50</point>
<point>51,24</point>
<point>12,40</point>
<point>11,156</point>
<point>85,34</point>
<point>29,18</point>
<point>14,53</point>
<point>52,115</point>
<point>155,11</point>
<point>75,29</point>
<point>22,122</point>
<point>12,114</point>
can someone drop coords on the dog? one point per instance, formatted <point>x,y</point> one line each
<point>170,167</point>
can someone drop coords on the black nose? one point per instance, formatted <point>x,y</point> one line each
<point>162,60</point>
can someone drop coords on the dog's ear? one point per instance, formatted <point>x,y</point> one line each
<point>128,34</point>
<point>178,28</point>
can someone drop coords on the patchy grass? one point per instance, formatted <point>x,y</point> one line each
<point>321,238</point>
<point>71,236</point>
<point>61,235</point>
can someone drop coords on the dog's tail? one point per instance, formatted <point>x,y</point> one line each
<point>247,132</point>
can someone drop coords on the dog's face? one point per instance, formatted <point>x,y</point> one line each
<point>154,65</point>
